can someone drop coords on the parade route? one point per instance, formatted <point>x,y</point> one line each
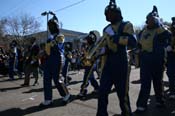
<point>23,101</point>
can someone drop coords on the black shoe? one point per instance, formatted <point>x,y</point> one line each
<point>95,91</point>
<point>20,76</point>
<point>67,100</point>
<point>98,77</point>
<point>160,104</point>
<point>11,79</point>
<point>171,96</point>
<point>81,96</point>
<point>24,85</point>
<point>140,110</point>
<point>69,78</point>
<point>43,105</point>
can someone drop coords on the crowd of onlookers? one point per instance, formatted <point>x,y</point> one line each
<point>14,60</point>
<point>3,62</point>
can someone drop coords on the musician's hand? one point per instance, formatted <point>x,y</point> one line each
<point>102,51</point>
<point>109,31</point>
<point>109,41</point>
<point>111,44</point>
<point>169,48</point>
<point>32,62</point>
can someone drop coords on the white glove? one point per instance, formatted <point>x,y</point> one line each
<point>169,48</point>
<point>109,31</point>
<point>32,62</point>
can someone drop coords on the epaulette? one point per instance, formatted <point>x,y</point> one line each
<point>128,28</point>
<point>106,27</point>
<point>161,29</point>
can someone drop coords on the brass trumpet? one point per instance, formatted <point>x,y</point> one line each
<point>95,48</point>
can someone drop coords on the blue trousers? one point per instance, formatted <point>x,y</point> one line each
<point>65,69</point>
<point>52,71</point>
<point>89,77</point>
<point>171,71</point>
<point>11,68</point>
<point>151,69</point>
<point>116,76</point>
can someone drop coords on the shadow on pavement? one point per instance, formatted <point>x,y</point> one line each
<point>116,115</point>
<point>88,97</point>
<point>74,82</point>
<point>5,80</point>
<point>168,110</point>
<point>73,73</point>
<point>92,95</point>
<point>33,90</point>
<point>36,90</point>
<point>153,110</point>
<point>136,81</point>
<point>166,83</point>
<point>33,109</point>
<point>7,89</point>
<point>41,89</point>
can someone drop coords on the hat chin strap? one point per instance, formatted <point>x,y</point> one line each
<point>153,26</point>
<point>116,20</point>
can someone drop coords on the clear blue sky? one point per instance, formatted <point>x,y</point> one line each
<point>88,14</point>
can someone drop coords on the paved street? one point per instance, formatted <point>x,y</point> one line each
<point>23,101</point>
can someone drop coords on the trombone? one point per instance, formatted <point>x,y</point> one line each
<point>95,48</point>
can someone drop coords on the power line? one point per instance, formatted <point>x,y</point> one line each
<point>66,7</point>
<point>14,9</point>
<point>58,10</point>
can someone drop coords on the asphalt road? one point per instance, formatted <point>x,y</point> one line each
<point>23,101</point>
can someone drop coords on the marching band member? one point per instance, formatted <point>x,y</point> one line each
<point>31,62</point>
<point>171,61</point>
<point>118,35</point>
<point>152,43</point>
<point>88,64</point>
<point>53,65</point>
<point>68,57</point>
<point>14,55</point>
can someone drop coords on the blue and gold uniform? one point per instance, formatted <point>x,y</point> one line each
<point>152,42</point>
<point>53,65</point>
<point>171,62</point>
<point>88,64</point>
<point>118,36</point>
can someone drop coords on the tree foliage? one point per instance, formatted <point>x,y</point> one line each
<point>2,26</point>
<point>20,26</point>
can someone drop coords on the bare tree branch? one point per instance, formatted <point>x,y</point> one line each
<point>22,25</point>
